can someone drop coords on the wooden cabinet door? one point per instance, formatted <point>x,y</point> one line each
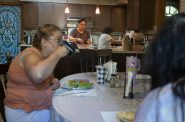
<point>30,15</point>
<point>118,18</point>
<point>129,15</point>
<point>88,11</point>
<point>133,14</point>
<point>74,10</point>
<point>59,15</point>
<point>102,19</point>
<point>147,14</point>
<point>45,13</point>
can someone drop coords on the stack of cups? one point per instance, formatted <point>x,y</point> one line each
<point>100,74</point>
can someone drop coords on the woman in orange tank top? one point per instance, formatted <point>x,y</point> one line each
<point>30,81</point>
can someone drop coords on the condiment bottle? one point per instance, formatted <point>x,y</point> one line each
<point>117,83</point>
<point>112,80</point>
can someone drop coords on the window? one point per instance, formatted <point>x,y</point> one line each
<point>170,10</point>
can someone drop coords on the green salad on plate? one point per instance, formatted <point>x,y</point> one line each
<point>79,84</point>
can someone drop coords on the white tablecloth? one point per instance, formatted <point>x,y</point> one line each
<point>97,103</point>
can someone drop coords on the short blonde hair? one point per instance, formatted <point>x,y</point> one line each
<point>45,32</point>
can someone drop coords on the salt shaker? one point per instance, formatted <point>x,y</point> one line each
<point>117,83</point>
<point>113,80</point>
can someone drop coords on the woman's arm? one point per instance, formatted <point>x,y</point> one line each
<point>76,40</point>
<point>38,69</point>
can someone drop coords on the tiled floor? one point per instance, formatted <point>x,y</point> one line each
<point>1,119</point>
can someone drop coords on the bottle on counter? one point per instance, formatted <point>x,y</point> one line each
<point>126,45</point>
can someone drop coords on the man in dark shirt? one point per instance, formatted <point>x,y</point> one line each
<point>80,35</point>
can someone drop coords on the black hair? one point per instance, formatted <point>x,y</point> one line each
<point>82,19</point>
<point>165,57</point>
<point>107,30</point>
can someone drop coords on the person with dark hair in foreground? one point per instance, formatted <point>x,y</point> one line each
<point>31,83</point>
<point>165,62</point>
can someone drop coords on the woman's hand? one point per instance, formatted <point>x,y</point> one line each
<point>89,42</point>
<point>79,41</point>
<point>55,84</point>
<point>61,51</point>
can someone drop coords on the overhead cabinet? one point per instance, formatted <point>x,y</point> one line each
<point>59,15</point>
<point>140,14</point>
<point>30,15</point>
<point>38,14</point>
<point>118,18</point>
<point>45,13</point>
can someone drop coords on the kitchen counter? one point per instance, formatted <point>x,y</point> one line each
<point>120,50</point>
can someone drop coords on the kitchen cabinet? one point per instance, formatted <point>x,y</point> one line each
<point>103,19</point>
<point>45,13</point>
<point>60,17</point>
<point>140,14</point>
<point>74,10</point>
<point>30,15</point>
<point>133,15</point>
<point>37,14</point>
<point>159,13</point>
<point>88,11</point>
<point>118,18</point>
<point>147,14</point>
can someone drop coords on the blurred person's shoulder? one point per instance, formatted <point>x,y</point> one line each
<point>157,102</point>
<point>161,93</point>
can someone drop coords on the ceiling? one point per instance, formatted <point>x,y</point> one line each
<point>101,2</point>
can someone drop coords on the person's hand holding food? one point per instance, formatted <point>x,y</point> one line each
<point>79,41</point>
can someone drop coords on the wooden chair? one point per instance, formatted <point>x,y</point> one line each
<point>102,55</point>
<point>89,58</point>
<point>86,58</point>
<point>3,78</point>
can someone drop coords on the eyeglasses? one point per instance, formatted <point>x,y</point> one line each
<point>55,39</point>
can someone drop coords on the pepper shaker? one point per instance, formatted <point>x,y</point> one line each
<point>113,80</point>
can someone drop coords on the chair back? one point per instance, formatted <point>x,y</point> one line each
<point>3,78</point>
<point>102,55</point>
<point>86,57</point>
<point>89,58</point>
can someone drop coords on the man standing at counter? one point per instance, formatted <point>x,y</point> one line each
<point>80,35</point>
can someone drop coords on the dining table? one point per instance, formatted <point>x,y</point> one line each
<point>99,103</point>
